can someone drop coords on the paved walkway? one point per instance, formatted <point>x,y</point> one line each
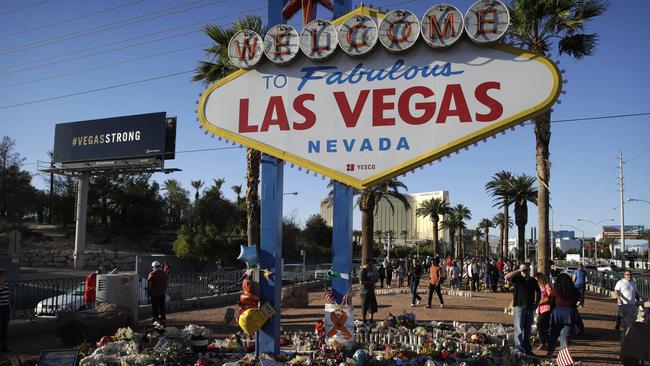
<point>598,346</point>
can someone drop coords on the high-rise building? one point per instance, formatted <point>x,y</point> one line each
<point>391,215</point>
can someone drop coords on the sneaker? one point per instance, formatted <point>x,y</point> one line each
<point>412,305</point>
<point>427,306</point>
<point>417,302</point>
<point>442,306</point>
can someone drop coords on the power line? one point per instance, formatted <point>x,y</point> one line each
<point>40,64</point>
<point>95,90</point>
<point>599,117</point>
<point>24,7</point>
<point>109,26</point>
<point>69,19</point>
<point>104,66</point>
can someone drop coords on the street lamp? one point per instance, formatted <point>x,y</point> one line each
<point>583,240</point>
<point>594,224</point>
<point>637,200</point>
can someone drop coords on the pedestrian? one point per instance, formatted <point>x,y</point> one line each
<point>435,280</point>
<point>544,310</point>
<point>158,282</point>
<point>564,316</point>
<point>400,275</point>
<point>494,276</point>
<point>367,279</point>
<point>487,277</point>
<point>526,296</point>
<point>580,282</point>
<point>473,274</point>
<point>389,274</point>
<point>415,271</point>
<point>382,275</point>
<point>90,288</point>
<point>626,297</point>
<point>5,311</point>
<point>455,276</point>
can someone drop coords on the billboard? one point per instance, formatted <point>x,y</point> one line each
<point>631,231</point>
<point>365,118</point>
<point>127,137</point>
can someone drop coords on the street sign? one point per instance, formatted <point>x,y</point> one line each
<point>364,120</point>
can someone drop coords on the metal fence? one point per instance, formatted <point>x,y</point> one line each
<point>608,281</point>
<point>50,297</point>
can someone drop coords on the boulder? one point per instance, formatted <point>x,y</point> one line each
<point>294,297</point>
<point>90,325</point>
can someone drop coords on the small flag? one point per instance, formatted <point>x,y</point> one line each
<point>329,298</point>
<point>564,357</point>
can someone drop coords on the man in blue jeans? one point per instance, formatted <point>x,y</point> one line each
<point>580,282</point>
<point>526,297</point>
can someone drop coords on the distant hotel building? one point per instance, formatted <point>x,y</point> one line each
<point>399,219</point>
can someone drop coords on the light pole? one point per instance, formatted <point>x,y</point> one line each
<point>290,193</point>
<point>583,240</point>
<point>594,224</point>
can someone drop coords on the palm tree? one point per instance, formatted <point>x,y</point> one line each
<point>523,191</point>
<point>537,26</point>
<point>237,189</point>
<point>500,221</point>
<point>434,208</point>
<point>405,234</point>
<point>477,233</point>
<point>485,226</point>
<point>211,71</point>
<point>368,201</point>
<point>217,184</point>
<point>499,188</point>
<point>197,184</point>
<point>450,222</point>
<point>460,213</point>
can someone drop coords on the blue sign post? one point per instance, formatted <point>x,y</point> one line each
<point>268,338</point>
<point>342,240</point>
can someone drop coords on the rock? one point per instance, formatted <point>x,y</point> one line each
<point>294,297</point>
<point>90,325</point>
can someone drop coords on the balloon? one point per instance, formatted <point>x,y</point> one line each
<point>360,356</point>
<point>248,255</point>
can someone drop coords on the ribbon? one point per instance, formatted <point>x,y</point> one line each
<point>339,317</point>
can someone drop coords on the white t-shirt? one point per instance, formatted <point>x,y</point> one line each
<point>627,290</point>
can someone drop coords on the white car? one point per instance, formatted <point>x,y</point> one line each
<point>73,300</point>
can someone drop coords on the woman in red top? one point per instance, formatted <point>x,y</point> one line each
<point>544,310</point>
<point>564,316</point>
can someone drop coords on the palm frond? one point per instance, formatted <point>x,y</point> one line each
<point>578,45</point>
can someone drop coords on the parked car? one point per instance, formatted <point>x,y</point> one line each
<point>570,270</point>
<point>73,300</point>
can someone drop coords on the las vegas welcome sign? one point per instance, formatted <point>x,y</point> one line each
<point>369,96</point>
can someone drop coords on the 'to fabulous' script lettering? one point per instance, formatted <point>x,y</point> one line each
<point>358,73</point>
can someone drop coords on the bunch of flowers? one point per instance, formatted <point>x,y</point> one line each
<point>194,330</point>
<point>124,334</point>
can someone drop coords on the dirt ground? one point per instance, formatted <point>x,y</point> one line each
<point>598,346</point>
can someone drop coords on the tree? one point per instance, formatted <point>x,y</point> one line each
<point>485,225</point>
<point>434,208</point>
<point>204,244</point>
<point>499,188</point>
<point>476,245</point>
<point>499,220</point>
<point>138,208</point>
<point>177,201</point>
<point>540,26</point>
<point>197,185</point>
<point>450,222</point>
<point>237,189</point>
<point>462,213</point>
<point>523,190</point>
<point>209,72</point>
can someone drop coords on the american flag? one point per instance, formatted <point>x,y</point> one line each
<point>346,299</point>
<point>564,357</point>
<point>329,298</point>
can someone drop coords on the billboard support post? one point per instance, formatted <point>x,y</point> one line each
<point>268,338</point>
<point>342,240</point>
<point>80,220</point>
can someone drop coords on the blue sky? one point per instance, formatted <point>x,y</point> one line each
<point>40,43</point>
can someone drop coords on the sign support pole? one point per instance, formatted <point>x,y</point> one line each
<point>268,338</point>
<point>80,219</point>
<point>342,240</point>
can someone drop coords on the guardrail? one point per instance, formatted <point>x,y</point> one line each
<point>608,281</point>
<point>66,294</point>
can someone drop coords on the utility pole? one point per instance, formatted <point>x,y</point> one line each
<point>620,169</point>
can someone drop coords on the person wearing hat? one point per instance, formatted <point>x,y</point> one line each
<point>526,296</point>
<point>157,282</point>
<point>5,311</point>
